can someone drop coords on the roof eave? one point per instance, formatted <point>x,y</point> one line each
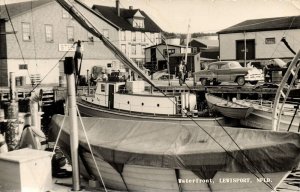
<point>97,14</point>
<point>255,30</point>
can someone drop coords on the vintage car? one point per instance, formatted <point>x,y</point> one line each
<point>228,71</point>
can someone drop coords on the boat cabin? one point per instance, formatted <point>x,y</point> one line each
<point>131,96</point>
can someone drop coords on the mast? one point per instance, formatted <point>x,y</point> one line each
<point>187,43</point>
<point>74,143</point>
<point>168,59</point>
<point>245,49</point>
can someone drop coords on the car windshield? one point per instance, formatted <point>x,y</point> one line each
<point>235,64</point>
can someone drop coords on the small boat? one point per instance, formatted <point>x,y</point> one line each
<point>228,108</point>
<point>129,100</point>
<point>261,116</point>
<point>156,156</point>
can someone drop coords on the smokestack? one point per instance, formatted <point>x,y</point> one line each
<point>118,7</point>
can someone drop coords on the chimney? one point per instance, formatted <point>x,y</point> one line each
<point>118,7</point>
<point>130,7</point>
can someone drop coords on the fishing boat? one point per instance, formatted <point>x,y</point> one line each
<point>228,108</point>
<point>130,100</point>
<point>162,156</point>
<point>261,116</point>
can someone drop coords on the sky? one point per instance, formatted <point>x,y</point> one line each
<point>206,16</point>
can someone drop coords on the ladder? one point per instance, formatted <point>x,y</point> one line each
<point>178,104</point>
<point>283,91</point>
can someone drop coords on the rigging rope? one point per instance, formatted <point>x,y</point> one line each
<point>90,148</point>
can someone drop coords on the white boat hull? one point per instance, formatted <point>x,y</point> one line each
<point>263,120</point>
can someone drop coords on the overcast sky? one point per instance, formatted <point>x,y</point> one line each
<point>204,15</point>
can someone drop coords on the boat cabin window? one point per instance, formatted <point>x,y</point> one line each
<point>102,87</point>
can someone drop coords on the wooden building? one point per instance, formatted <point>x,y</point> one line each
<point>156,56</point>
<point>136,30</point>
<point>39,36</point>
<point>260,39</point>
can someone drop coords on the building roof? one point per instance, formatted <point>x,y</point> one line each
<point>169,45</point>
<point>20,8</point>
<point>111,14</point>
<point>207,42</point>
<point>96,13</point>
<point>266,24</point>
<point>183,54</point>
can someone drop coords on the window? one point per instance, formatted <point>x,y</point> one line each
<point>194,49</point>
<point>49,33</point>
<point>90,37</point>
<point>143,37</point>
<point>102,87</point>
<point>133,36</point>
<point>23,66</point>
<point>26,31</point>
<point>106,33</point>
<point>123,48</point>
<point>133,49</point>
<point>270,40</point>
<point>65,14</point>
<point>70,34</point>
<point>143,49</point>
<point>109,65</point>
<point>171,51</point>
<point>138,23</point>
<point>123,35</point>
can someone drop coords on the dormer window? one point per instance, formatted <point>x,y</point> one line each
<point>138,23</point>
<point>138,20</point>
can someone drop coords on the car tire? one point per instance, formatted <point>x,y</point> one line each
<point>253,82</point>
<point>203,81</point>
<point>240,80</point>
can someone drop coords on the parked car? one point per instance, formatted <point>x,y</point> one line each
<point>229,71</point>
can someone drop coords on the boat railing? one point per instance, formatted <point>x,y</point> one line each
<point>261,102</point>
<point>85,90</point>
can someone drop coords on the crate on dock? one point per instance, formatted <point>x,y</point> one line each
<point>25,170</point>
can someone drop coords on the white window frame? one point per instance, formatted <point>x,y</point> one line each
<point>49,33</point>
<point>133,49</point>
<point>70,34</point>
<point>143,49</point>
<point>26,31</point>
<point>133,36</point>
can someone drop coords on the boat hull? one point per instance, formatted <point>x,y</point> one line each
<point>90,110</point>
<point>137,177</point>
<point>227,108</point>
<point>263,120</point>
